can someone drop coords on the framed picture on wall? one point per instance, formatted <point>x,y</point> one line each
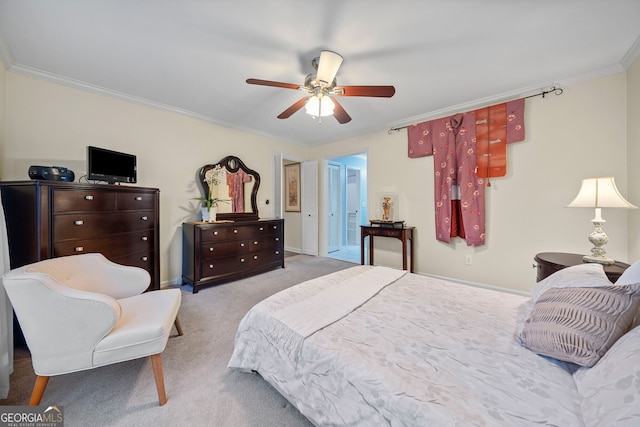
<point>292,187</point>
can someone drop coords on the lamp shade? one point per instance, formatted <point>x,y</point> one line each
<point>319,107</point>
<point>600,193</point>
<point>328,67</point>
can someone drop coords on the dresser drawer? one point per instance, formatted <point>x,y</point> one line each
<point>135,201</point>
<point>267,229</point>
<point>225,249</point>
<point>143,260</point>
<point>110,247</point>
<point>264,243</point>
<point>219,266</point>
<point>213,234</point>
<point>84,226</point>
<point>266,257</point>
<point>82,201</point>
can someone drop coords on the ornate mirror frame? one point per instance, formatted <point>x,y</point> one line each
<point>232,164</point>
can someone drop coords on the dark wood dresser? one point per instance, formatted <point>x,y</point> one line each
<point>214,253</point>
<point>47,219</point>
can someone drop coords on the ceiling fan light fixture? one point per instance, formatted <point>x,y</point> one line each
<point>319,106</point>
<point>328,67</point>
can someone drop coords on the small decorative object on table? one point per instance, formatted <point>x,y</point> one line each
<point>386,208</point>
<point>210,203</point>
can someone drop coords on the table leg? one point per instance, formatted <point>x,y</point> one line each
<point>411,255</point>
<point>404,254</point>
<point>362,248</point>
<point>371,249</point>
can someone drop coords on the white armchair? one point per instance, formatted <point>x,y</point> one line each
<point>83,311</point>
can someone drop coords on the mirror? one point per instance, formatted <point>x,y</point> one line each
<point>237,187</point>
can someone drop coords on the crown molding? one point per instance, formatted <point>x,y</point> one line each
<point>632,55</point>
<point>508,96</point>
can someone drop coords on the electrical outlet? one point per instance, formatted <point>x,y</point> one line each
<point>468,259</point>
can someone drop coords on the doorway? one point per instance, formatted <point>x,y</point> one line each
<point>347,206</point>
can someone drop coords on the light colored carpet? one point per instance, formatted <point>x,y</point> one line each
<point>201,390</point>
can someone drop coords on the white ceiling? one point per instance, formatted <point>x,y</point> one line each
<point>194,56</point>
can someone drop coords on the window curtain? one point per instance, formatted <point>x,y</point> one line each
<point>6,313</point>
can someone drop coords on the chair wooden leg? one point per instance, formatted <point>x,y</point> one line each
<point>156,362</point>
<point>178,326</point>
<point>38,390</point>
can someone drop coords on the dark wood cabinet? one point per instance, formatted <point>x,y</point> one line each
<point>550,262</point>
<point>214,253</point>
<point>47,219</point>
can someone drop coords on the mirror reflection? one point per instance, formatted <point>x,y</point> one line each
<point>236,188</point>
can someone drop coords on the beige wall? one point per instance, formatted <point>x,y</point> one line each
<point>633,155</point>
<point>579,134</point>
<point>582,133</point>
<point>52,124</point>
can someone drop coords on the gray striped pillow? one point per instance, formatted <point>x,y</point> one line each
<point>579,325</point>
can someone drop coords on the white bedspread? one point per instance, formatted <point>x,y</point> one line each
<point>422,352</point>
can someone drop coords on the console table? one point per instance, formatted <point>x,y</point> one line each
<point>403,233</point>
<point>550,262</point>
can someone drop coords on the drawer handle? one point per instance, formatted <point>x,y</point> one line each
<point>88,197</point>
<point>255,257</point>
<point>275,227</point>
<point>210,266</point>
<point>145,258</point>
<point>210,249</point>
<point>144,218</point>
<point>144,238</point>
<point>277,239</point>
<point>242,245</point>
<point>79,249</point>
<point>235,230</point>
<point>215,233</point>
<point>255,243</point>
<point>277,252</point>
<point>261,228</point>
<point>241,259</point>
<point>138,198</point>
<point>78,222</point>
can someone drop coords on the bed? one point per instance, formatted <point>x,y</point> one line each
<point>378,346</point>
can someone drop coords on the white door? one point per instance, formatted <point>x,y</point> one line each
<point>353,206</point>
<point>309,192</point>
<point>333,211</point>
<point>277,185</point>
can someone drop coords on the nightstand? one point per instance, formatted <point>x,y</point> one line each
<point>550,262</point>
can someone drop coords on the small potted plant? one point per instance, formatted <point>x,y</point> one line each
<point>210,203</point>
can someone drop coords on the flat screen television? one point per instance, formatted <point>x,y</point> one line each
<point>110,166</point>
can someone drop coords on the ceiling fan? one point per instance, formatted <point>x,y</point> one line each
<point>322,87</point>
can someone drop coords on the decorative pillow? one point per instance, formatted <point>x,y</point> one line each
<point>577,276</point>
<point>579,325</point>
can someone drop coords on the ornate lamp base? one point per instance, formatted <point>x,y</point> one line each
<point>599,260</point>
<point>598,238</point>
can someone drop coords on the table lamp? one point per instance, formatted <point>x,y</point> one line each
<point>599,193</point>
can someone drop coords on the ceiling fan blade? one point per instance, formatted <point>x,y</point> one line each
<point>274,84</point>
<point>339,112</point>
<point>328,67</point>
<point>295,107</point>
<point>376,91</point>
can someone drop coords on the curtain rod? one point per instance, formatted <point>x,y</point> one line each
<point>555,90</point>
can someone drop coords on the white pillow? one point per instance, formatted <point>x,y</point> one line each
<point>631,275</point>
<point>585,275</point>
<point>610,390</point>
